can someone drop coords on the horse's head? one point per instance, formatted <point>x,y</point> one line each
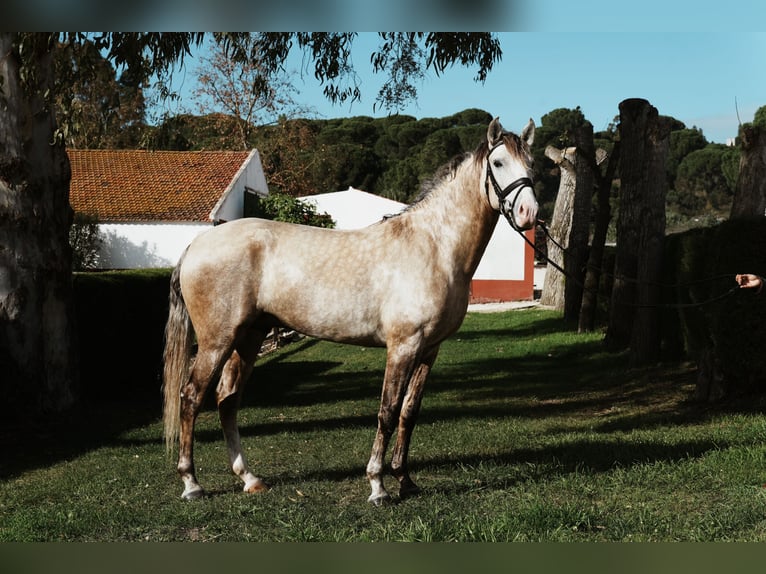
<point>509,175</point>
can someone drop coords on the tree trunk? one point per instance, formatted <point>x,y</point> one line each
<point>587,321</point>
<point>645,339</point>
<point>570,224</point>
<point>561,221</point>
<point>644,138</point>
<point>750,193</point>
<point>579,233</point>
<point>37,358</point>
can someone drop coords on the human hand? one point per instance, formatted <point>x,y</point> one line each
<point>749,281</point>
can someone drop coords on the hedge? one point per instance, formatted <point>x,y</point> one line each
<point>727,337</point>
<point>121,321</point>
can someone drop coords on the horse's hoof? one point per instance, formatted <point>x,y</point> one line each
<point>194,494</point>
<point>379,499</point>
<point>409,491</point>
<point>256,487</point>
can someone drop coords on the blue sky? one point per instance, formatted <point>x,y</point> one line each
<point>700,78</point>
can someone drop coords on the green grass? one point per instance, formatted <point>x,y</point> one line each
<point>528,432</point>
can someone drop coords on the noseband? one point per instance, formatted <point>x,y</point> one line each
<point>502,193</point>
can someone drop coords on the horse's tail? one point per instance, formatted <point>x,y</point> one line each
<point>179,338</point>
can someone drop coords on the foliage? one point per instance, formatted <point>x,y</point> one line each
<point>682,143</point>
<point>85,240</point>
<point>759,119</point>
<point>701,183</point>
<point>404,57</point>
<point>94,108</point>
<point>229,85</point>
<point>290,154</point>
<point>187,132</point>
<point>528,432</point>
<point>282,207</point>
<point>556,129</point>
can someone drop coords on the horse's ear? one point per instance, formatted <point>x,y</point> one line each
<point>528,133</point>
<point>495,132</point>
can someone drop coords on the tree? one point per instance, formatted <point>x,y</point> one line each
<point>701,183</point>
<point>587,321</point>
<point>37,343</point>
<point>682,143</point>
<point>750,194</point>
<point>570,223</point>
<point>290,154</point>
<point>85,240</point>
<point>95,109</point>
<point>233,86</point>
<point>36,317</point>
<point>557,129</point>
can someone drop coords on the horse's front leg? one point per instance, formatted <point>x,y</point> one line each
<point>399,365</point>
<point>228,394</point>
<point>407,420</point>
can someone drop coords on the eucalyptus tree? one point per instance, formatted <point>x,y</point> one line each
<point>38,351</point>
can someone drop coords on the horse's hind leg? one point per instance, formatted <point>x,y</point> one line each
<point>206,367</point>
<point>407,419</point>
<point>236,371</point>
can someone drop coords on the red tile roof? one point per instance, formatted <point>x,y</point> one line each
<point>140,186</point>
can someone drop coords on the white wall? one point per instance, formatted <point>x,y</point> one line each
<point>504,257</point>
<point>131,246</point>
<point>231,206</point>
<point>353,208</point>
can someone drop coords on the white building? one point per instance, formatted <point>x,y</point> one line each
<point>151,204</point>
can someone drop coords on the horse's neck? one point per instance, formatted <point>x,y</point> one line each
<point>460,219</point>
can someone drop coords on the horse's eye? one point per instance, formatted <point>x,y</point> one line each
<point>497,163</point>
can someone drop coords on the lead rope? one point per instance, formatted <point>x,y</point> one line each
<point>569,277</point>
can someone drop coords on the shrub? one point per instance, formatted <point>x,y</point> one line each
<point>282,207</point>
<point>85,240</point>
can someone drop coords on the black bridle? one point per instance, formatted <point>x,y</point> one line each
<point>502,193</point>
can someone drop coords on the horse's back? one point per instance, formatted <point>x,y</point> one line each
<point>317,281</point>
<point>353,286</point>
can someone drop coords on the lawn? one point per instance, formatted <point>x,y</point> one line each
<point>528,432</point>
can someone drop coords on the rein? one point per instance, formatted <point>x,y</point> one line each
<point>503,193</point>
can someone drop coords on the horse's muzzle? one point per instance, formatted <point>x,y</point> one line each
<point>525,210</point>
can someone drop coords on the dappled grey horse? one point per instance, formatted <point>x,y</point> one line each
<point>402,283</point>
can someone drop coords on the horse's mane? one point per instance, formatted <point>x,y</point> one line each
<point>445,172</point>
<point>448,170</point>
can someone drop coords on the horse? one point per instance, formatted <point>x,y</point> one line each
<point>402,283</point>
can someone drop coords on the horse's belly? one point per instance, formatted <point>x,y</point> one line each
<point>330,320</point>
<point>328,303</point>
